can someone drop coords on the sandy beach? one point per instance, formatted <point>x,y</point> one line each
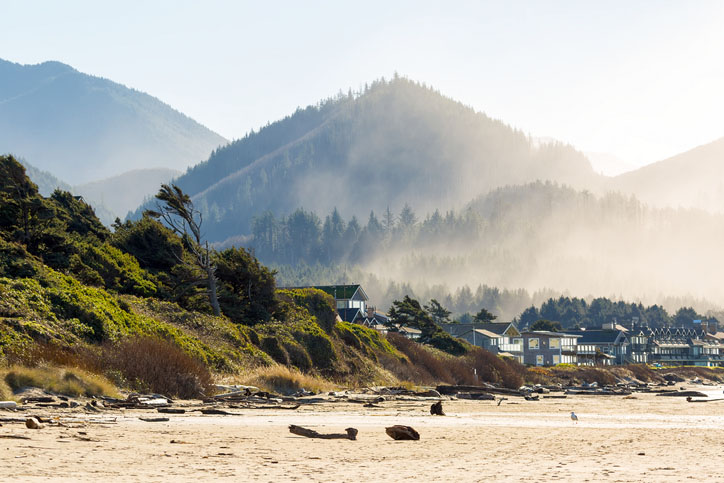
<point>644,439</point>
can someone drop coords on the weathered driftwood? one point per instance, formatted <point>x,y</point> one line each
<point>219,412</point>
<point>171,410</point>
<point>683,394</point>
<point>689,399</point>
<point>351,433</point>
<point>154,420</point>
<point>476,396</point>
<point>13,436</point>
<point>401,433</point>
<point>436,409</point>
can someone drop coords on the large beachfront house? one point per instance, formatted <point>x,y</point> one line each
<point>545,348</point>
<point>604,346</point>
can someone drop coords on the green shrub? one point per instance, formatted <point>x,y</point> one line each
<point>319,304</point>
<point>274,349</point>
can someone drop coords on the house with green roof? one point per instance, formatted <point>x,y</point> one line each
<point>350,300</point>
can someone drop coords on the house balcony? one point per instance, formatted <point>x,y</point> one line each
<point>512,348</point>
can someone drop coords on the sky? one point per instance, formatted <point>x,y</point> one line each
<point>631,82</point>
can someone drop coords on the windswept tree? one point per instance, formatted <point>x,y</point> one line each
<point>484,316</point>
<point>439,314</point>
<point>178,213</point>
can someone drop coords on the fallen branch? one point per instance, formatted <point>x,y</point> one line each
<point>310,433</point>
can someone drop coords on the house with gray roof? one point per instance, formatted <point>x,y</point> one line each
<point>601,346</point>
<point>502,338</point>
<point>546,348</point>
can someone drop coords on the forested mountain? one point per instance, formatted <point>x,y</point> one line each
<point>393,143</point>
<point>84,128</point>
<point>694,179</point>
<point>535,237</point>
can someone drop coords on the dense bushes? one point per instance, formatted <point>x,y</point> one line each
<point>430,367</point>
<point>154,365</point>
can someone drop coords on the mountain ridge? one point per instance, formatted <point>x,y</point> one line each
<point>395,142</point>
<point>61,119</point>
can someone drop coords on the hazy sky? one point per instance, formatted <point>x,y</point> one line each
<point>641,80</point>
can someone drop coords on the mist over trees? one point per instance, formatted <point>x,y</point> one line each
<point>537,237</point>
<point>392,143</point>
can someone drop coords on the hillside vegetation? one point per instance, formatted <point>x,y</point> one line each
<point>130,306</point>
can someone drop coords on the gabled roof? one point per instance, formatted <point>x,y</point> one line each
<point>486,333</point>
<point>349,315</point>
<point>409,330</point>
<point>343,292</point>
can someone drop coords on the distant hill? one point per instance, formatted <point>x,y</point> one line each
<point>397,142</point>
<point>47,183</point>
<point>84,128</point>
<point>694,179</point>
<point>123,193</point>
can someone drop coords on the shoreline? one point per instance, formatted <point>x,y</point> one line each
<point>519,440</point>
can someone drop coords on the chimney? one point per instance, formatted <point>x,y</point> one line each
<point>370,311</point>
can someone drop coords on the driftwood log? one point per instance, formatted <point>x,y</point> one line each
<point>436,409</point>
<point>351,433</point>
<point>399,433</point>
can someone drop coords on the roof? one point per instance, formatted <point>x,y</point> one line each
<point>486,333</point>
<point>349,315</point>
<point>497,328</point>
<point>551,334</point>
<point>410,330</point>
<point>342,292</point>
<point>596,336</point>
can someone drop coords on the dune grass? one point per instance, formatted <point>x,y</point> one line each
<point>284,380</point>
<point>65,381</point>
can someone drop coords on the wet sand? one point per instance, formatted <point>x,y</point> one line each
<point>644,439</point>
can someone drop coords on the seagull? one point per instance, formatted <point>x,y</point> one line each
<point>574,418</point>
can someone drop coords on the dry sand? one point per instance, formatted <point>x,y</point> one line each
<point>644,439</point>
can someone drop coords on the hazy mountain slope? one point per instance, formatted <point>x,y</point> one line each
<point>47,183</point>
<point>397,142</point>
<point>123,193</point>
<point>691,179</point>
<point>542,235</point>
<point>85,128</point>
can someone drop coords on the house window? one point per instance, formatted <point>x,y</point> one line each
<point>533,344</point>
<point>555,344</point>
<point>556,359</point>
<point>539,360</point>
<point>341,304</point>
<point>518,341</point>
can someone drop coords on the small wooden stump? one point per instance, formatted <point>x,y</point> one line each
<point>402,433</point>
<point>351,433</point>
<point>436,409</point>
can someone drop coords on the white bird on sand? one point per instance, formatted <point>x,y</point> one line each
<point>574,418</point>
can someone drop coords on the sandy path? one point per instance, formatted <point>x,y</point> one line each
<point>534,441</point>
